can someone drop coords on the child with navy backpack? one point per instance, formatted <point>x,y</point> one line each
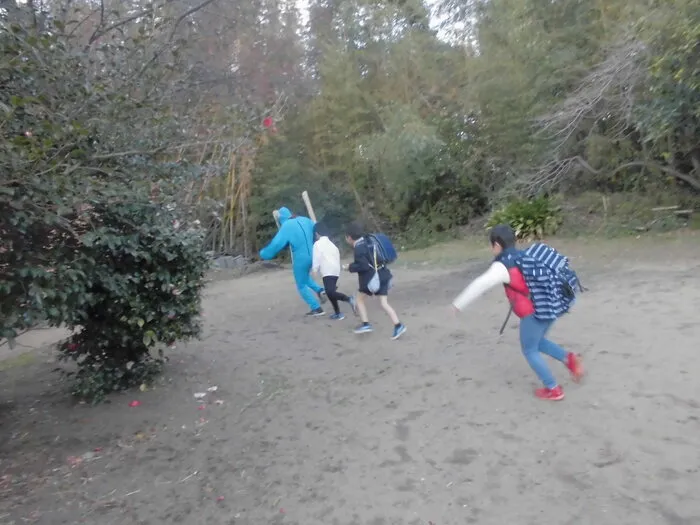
<point>540,287</point>
<point>372,255</point>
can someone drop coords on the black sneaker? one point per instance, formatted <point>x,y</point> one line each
<point>318,312</point>
<point>322,296</point>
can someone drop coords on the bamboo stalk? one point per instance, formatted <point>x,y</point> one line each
<point>244,195</point>
<point>232,196</point>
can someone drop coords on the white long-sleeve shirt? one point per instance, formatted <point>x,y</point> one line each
<point>326,258</point>
<point>495,275</point>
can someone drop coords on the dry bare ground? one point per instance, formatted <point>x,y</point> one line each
<point>311,424</point>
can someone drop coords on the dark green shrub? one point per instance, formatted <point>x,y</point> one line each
<point>81,148</point>
<point>533,218</point>
<point>120,271</point>
<point>144,278</point>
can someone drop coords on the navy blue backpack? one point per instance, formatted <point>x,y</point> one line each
<point>386,253</point>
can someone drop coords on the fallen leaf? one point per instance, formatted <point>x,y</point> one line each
<point>220,498</point>
<point>74,461</point>
<point>135,404</point>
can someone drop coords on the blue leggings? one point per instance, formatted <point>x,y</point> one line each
<point>534,344</point>
<point>306,286</point>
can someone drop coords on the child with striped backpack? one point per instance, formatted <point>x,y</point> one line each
<point>541,287</point>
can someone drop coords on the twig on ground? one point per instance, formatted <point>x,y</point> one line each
<point>257,398</point>
<point>108,495</point>
<point>188,477</point>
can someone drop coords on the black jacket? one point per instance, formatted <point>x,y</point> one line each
<point>363,265</point>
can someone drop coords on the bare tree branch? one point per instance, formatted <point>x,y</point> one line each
<point>100,25</point>
<point>605,94</point>
<point>168,43</point>
<point>555,171</point>
<point>119,23</point>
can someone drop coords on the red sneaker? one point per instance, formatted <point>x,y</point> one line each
<point>573,363</point>
<point>550,394</point>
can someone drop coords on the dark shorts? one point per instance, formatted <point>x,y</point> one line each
<point>383,289</point>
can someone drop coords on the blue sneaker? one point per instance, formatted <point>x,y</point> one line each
<point>353,304</point>
<point>399,330</point>
<point>364,328</point>
<point>318,312</point>
<point>337,317</point>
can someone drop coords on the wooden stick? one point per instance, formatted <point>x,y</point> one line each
<point>276,215</point>
<point>505,323</point>
<point>309,208</point>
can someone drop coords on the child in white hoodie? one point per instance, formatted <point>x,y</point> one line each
<point>326,261</point>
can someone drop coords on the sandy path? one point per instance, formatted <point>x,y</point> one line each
<point>319,426</point>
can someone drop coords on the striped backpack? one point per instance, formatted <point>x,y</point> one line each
<point>552,283</point>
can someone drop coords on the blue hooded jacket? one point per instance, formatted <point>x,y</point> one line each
<point>298,232</point>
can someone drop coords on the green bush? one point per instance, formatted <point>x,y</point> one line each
<point>82,245</point>
<point>120,271</point>
<point>533,218</point>
<point>145,276</point>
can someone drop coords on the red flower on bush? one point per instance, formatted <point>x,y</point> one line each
<point>72,347</point>
<point>267,122</point>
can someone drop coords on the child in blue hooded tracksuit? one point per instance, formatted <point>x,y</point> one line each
<point>298,232</point>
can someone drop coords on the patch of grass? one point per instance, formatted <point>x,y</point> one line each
<point>694,223</point>
<point>624,214</point>
<point>473,248</point>
<point>413,240</point>
<point>24,359</point>
<point>449,253</point>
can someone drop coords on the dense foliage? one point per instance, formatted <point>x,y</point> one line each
<point>137,285</point>
<point>86,241</point>
<point>419,134</point>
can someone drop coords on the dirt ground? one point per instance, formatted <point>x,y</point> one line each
<point>311,424</point>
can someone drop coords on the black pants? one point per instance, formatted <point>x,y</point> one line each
<point>330,284</point>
